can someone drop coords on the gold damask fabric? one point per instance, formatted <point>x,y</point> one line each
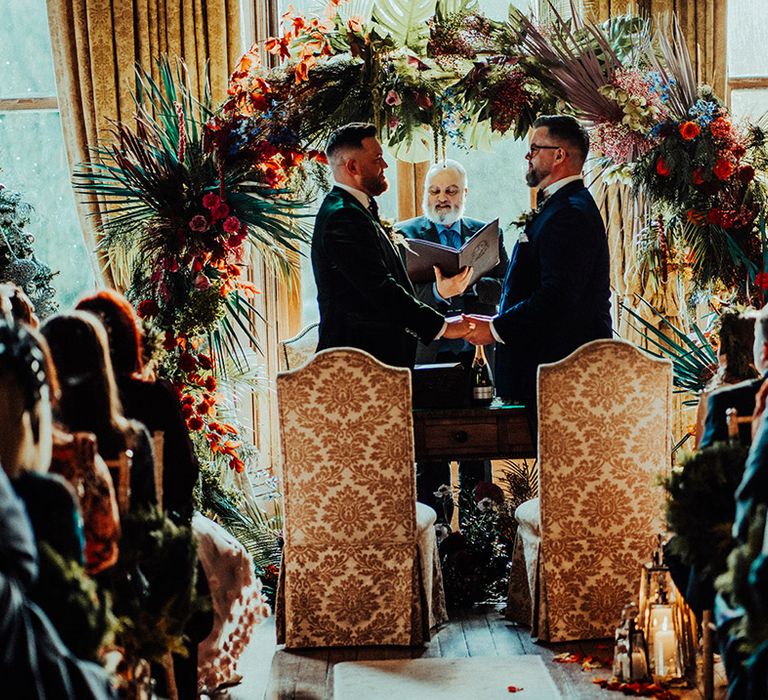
<point>351,573</point>
<point>604,438</point>
<point>96,44</point>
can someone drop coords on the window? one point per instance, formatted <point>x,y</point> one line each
<point>747,87</point>
<point>32,155</point>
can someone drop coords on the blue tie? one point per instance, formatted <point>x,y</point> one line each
<point>451,237</point>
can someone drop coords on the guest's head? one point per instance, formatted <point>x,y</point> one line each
<point>122,327</point>
<point>736,348</point>
<point>26,425</point>
<point>16,301</point>
<point>357,159</point>
<point>445,192</point>
<point>89,397</point>
<point>558,149</point>
<point>760,346</point>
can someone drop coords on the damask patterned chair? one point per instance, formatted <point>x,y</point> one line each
<point>360,560</point>
<point>295,351</point>
<point>604,437</point>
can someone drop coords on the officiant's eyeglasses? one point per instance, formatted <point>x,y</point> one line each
<point>534,149</point>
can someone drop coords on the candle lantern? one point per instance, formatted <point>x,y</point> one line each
<point>630,656</point>
<point>668,624</point>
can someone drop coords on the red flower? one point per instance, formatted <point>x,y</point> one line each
<point>187,362</point>
<point>723,169</point>
<point>720,128</point>
<point>211,200</point>
<point>697,177</point>
<point>761,280</point>
<point>319,156</point>
<point>662,168</point>
<point>204,361</point>
<point>187,411</point>
<point>689,130</point>
<point>199,223</point>
<point>210,384</point>
<point>231,224</point>
<point>423,100</point>
<point>739,151</point>
<point>169,342</point>
<point>746,173</point>
<point>715,217</point>
<point>147,308</point>
<point>195,423</point>
<point>220,211</point>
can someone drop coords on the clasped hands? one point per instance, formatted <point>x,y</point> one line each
<point>474,329</point>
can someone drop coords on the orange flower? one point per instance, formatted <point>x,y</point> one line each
<point>689,130</point>
<point>355,24</point>
<point>279,47</point>
<point>723,169</point>
<point>695,217</point>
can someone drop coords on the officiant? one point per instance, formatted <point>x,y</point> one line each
<point>443,222</point>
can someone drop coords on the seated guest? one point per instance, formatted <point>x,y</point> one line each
<point>21,308</point>
<point>743,357</point>
<point>443,221</point>
<point>34,663</point>
<point>89,398</point>
<point>154,403</point>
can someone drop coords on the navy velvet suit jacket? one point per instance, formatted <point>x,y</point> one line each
<point>365,297</point>
<point>740,396</point>
<point>556,293</point>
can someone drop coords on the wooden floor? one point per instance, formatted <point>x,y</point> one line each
<point>272,672</point>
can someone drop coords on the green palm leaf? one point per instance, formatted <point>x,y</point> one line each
<point>405,21</point>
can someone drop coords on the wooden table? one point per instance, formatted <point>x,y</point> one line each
<point>493,432</point>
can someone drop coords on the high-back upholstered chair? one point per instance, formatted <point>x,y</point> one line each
<point>604,437</point>
<point>354,537</point>
<point>295,351</point>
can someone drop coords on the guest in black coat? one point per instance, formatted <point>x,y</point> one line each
<point>365,297</point>
<point>556,293</point>
<point>443,222</point>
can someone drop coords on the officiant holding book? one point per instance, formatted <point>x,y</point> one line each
<point>444,223</point>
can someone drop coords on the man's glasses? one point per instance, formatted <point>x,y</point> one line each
<point>451,191</point>
<point>534,149</point>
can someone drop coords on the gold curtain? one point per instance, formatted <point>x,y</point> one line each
<point>96,44</point>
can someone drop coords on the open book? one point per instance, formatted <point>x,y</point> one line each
<point>480,252</point>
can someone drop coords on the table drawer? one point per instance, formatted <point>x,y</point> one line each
<point>446,437</point>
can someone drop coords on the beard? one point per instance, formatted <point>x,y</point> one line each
<point>445,217</point>
<point>375,186</point>
<point>533,177</point>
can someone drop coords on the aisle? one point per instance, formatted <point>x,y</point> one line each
<point>270,671</point>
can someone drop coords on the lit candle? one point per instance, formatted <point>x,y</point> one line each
<point>664,646</point>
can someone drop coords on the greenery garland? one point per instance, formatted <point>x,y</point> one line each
<point>701,506</point>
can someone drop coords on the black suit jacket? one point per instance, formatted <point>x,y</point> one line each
<point>556,293</point>
<point>365,297</point>
<point>739,396</point>
<point>482,298</point>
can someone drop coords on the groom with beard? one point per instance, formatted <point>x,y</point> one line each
<point>443,222</point>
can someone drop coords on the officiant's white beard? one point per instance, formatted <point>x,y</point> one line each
<point>443,217</point>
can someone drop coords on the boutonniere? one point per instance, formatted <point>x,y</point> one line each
<point>397,238</point>
<point>527,217</point>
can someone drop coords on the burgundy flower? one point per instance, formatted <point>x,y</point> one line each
<point>715,217</point>
<point>187,362</point>
<point>147,308</point>
<point>195,423</point>
<point>199,223</point>
<point>231,224</point>
<point>204,361</point>
<point>697,177</point>
<point>746,173</point>
<point>211,200</point>
<point>423,100</point>
<point>210,384</point>
<point>220,211</point>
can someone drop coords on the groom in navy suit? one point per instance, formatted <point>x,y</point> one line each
<point>556,293</point>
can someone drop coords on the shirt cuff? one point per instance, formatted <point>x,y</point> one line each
<point>494,332</point>
<point>437,294</point>
<point>442,330</point>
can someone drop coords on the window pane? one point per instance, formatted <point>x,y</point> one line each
<point>747,21</point>
<point>749,103</point>
<point>34,163</point>
<point>26,63</point>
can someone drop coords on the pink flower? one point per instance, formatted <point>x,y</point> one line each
<point>393,122</point>
<point>199,223</point>
<point>393,98</point>
<point>202,282</point>
<point>211,200</point>
<point>423,100</point>
<point>231,224</point>
<point>220,211</point>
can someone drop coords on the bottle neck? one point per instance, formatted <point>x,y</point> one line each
<point>480,354</point>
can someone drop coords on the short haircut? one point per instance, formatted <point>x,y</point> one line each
<point>761,324</point>
<point>565,128</point>
<point>447,164</point>
<point>348,136</point>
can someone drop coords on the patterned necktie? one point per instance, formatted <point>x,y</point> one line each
<point>452,237</point>
<point>373,207</point>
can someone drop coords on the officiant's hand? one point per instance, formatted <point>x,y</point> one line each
<point>480,330</point>
<point>458,327</point>
<point>448,287</point>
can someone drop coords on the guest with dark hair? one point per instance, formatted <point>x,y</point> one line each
<point>89,398</point>
<point>365,297</point>
<point>153,402</point>
<point>21,307</point>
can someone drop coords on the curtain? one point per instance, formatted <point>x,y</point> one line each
<point>96,44</point>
